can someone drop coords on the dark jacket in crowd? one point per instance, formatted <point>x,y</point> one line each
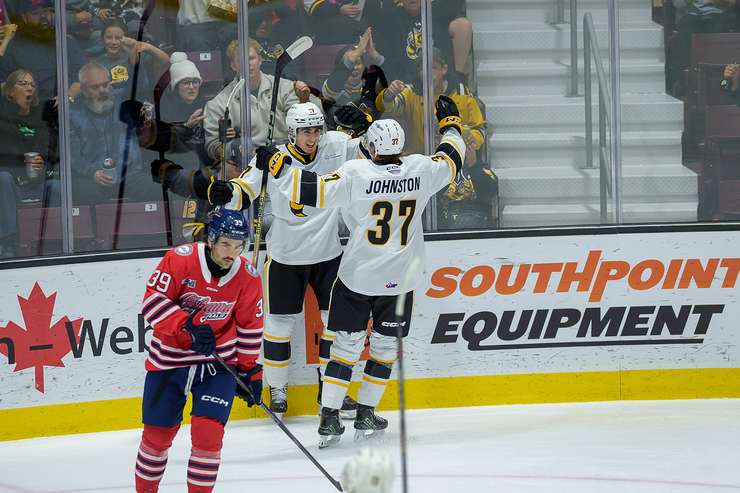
<point>20,134</point>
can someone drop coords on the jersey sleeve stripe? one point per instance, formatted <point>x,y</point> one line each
<point>309,184</point>
<point>294,198</point>
<point>170,311</point>
<point>155,310</point>
<point>448,150</point>
<point>246,188</point>
<point>321,193</point>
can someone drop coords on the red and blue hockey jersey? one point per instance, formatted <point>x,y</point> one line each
<point>231,305</point>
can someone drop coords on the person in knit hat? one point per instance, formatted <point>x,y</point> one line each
<point>182,106</point>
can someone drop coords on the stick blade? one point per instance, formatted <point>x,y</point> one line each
<point>298,47</point>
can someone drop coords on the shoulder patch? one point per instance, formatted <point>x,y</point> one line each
<point>184,250</point>
<point>250,269</point>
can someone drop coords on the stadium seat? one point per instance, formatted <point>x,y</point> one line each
<point>210,66</point>
<point>40,229</point>
<point>140,225</point>
<point>720,178</point>
<point>708,53</point>
<point>318,63</point>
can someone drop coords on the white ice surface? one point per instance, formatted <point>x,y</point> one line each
<point>634,447</point>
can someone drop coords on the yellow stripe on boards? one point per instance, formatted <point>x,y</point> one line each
<point>119,414</point>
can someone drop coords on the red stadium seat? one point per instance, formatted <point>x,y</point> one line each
<point>40,229</point>
<point>140,225</point>
<point>318,63</point>
<point>211,70</point>
<point>720,178</point>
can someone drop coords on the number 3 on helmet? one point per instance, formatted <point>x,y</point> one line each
<point>385,137</point>
<point>303,115</point>
<point>229,224</point>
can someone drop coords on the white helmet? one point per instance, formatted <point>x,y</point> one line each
<point>385,137</point>
<point>371,471</point>
<point>303,115</point>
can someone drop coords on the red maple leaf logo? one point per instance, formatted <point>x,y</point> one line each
<point>40,343</point>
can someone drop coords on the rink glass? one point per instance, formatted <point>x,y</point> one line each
<point>527,168</point>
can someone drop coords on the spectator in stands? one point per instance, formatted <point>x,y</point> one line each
<point>197,30</point>
<point>399,36</point>
<point>335,21</point>
<point>103,147</point>
<point>275,25</point>
<point>697,16</point>
<point>345,84</point>
<point>183,109</point>
<point>260,86</point>
<point>732,75</point>
<point>121,54</point>
<point>405,102</point>
<point>470,201</point>
<point>25,171</point>
<point>34,47</point>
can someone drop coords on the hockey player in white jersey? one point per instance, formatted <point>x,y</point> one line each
<point>383,199</point>
<point>303,241</point>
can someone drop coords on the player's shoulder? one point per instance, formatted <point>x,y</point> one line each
<point>183,251</point>
<point>249,272</point>
<point>334,137</point>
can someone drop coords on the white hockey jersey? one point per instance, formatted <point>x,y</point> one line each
<point>383,206</point>
<point>300,235</point>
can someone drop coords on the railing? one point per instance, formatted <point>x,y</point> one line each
<point>609,106</point>
<point>591,48</point>
<point>560,19</point>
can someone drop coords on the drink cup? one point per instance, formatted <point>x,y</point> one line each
<point>28,158</point>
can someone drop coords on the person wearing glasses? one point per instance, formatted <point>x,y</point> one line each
<point>25,173</point>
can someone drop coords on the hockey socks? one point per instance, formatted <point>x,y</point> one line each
<point>205,457</point>
<point>151,460</point>
<point>374,381</point>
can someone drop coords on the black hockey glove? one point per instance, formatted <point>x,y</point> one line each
<point>447,114</point>
<point>204,341</point>
<point>253,379</point>
<point>219,192</point>
<point>160,167</point>
<point>352,118</point>
<point>272,159</point>
<point>130,112</point>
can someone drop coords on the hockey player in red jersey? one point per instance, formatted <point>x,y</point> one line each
<point>203,298</point>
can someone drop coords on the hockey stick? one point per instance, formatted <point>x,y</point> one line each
<point>293,51</point>
<point>159,89</point>
<point>277,421</point>
<point>129,130</point>
<point>400,313</point>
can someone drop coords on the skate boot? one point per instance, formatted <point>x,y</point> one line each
<point>330,427</point>
<point>368,425</point>
<point>279,400</point>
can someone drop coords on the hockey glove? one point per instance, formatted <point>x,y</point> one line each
<point>448,115</point>
<point>204,341</point>
<point>131,113</point>
<point>160,167</point>
<point>350,117</point>
<point>272,159</point>
<point>219,192</point>
<point>253,379</point>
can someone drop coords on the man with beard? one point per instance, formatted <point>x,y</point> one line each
<point>102,146</point>
<point>33,48</point>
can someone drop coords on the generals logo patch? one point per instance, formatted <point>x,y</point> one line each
<point>250,269</point>
<point>184,250</point>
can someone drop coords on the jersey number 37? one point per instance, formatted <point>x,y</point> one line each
<point>384,210</point>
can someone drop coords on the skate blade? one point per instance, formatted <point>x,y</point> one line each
<point>368,435</point>
<point>349,414</point>
<point>328,440</point>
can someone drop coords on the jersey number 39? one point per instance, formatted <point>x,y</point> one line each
<point>160,281</point>
<point>382,231</point>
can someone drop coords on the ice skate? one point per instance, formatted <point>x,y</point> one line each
<point>279,401</point>
<point>368,425</point>
<point>330,428</point>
